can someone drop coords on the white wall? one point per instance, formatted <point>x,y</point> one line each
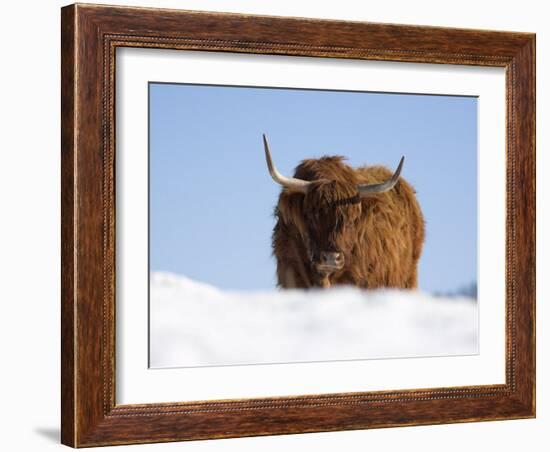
<point>29,258</point>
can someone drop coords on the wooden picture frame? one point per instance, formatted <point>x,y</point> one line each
<point>90,35</point>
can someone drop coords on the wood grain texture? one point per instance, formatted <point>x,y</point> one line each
<point>67,226</point>
<point>90,36</point>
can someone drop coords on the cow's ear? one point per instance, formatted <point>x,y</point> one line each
<point>291,211</point>
<point>281,211</point>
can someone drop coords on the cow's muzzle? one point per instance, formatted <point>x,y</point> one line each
<point>329,262</point>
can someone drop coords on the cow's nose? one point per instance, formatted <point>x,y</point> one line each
<point>332,258</point>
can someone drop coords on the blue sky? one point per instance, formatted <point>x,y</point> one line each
<point>211,197</point>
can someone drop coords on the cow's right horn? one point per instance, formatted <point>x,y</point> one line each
<point>288,182</point>
<point>371,189</point>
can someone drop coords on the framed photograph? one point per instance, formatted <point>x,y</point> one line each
<point>281,225</point>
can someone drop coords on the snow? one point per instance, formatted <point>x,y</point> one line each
<point>195,324</point>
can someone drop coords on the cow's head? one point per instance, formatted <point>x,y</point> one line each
<point>328,217</point>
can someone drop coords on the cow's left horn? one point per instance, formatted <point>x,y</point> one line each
<point>288,182</point>
<point>370,189</point>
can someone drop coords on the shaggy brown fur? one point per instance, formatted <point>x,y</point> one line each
<point>381,236</point>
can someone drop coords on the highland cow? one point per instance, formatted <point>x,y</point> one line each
<point>339,225</point>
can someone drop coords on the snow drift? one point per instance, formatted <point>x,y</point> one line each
<point>194,324</point>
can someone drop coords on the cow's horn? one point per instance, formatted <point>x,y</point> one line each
<point>370,189</point>
<point>288,182</point>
